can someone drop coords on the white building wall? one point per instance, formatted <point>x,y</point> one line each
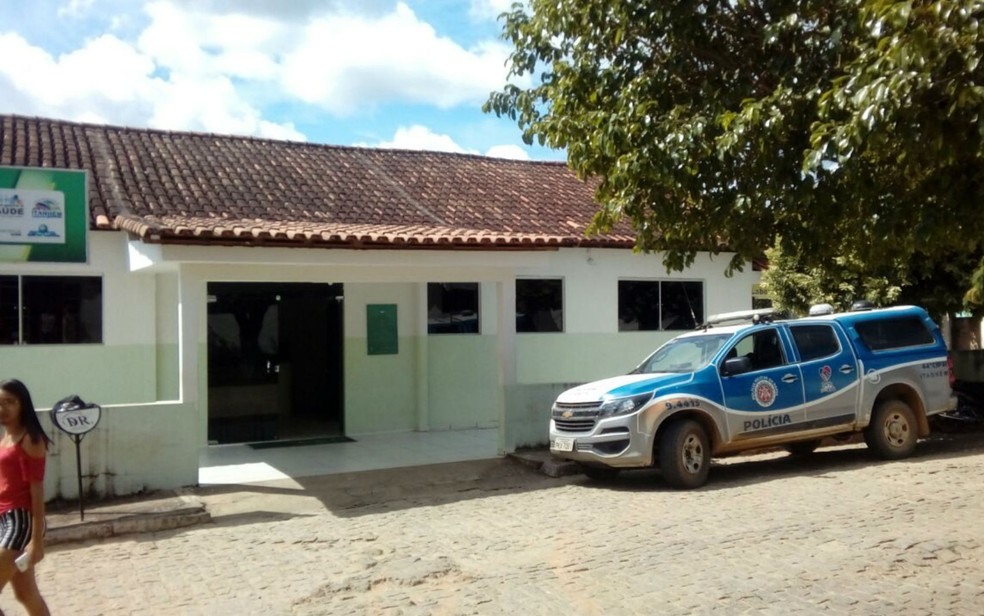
<point>146,438</point>
<point>150,371</point>
<point>591,346</point>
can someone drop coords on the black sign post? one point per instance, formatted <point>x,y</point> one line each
<point>76,418</point>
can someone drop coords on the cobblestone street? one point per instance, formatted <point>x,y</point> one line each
<point>836,533</point>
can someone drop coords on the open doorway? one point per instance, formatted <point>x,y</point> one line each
<point>274,361</point>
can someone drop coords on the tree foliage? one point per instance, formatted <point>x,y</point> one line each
<point>937,285</point>
<point>848,130</point>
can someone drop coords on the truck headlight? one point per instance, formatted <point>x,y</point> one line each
<point>622,406</point>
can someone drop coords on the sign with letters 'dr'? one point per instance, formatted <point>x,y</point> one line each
<point>74,416</point>
<point>77,418</point>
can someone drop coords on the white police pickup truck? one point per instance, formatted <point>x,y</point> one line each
<point>720,390</point>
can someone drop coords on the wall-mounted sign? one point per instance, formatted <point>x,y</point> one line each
<point>43,215</point>
<point>32,216</point>
<point>381,330</point>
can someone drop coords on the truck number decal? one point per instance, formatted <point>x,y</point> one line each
<point>682,403</point>
<point>934,370</point>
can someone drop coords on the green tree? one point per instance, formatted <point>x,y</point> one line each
<point>937,285</point>
<point>849,131</point>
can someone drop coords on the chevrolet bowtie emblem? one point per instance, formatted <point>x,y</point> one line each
<point>567,414</point>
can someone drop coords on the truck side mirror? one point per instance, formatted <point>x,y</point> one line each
<point>736,366</point>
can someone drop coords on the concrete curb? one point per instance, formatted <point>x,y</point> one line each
<point>187,511</point>
<point>542,461</point>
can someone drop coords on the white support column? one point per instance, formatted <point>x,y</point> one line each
<point>422,359</point>
<point>192,331</point>
<point>506,344</point>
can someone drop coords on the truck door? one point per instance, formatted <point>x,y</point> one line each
<point>830,374</point>
<point>767,400</point>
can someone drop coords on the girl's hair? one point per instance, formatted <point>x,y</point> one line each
<point>28,416</point>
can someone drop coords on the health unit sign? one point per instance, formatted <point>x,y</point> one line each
<point>43,215</point>
<point>32,216</point>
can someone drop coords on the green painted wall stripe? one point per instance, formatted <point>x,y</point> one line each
<point>98,373</point>
<point>579,358</point>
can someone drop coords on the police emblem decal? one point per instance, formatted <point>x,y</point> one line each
<point>764,391</point>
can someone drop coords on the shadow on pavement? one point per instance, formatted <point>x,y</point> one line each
<point>371,492</point>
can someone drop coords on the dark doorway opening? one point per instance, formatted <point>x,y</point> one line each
<point>274,361</point>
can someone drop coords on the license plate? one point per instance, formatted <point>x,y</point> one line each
<point>562,444</point>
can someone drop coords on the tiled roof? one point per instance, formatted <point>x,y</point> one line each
<point>173,187</point>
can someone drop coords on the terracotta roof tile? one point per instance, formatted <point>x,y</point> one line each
<point>202,188</point>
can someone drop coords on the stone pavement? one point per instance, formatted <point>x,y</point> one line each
<point>833,533</point>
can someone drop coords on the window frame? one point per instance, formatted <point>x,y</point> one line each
<point>563,302</point>
<point>21,325</point>
<point>659,306</point>
<point>478,309</point>
<point>931,339</point>
<point>758,332</point>
<point>792,334</point>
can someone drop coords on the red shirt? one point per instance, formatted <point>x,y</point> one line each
<point>17,471</point>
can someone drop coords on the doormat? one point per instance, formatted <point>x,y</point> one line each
<point>298,442</point>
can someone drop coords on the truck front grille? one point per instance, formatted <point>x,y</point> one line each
<point>574,425</point>
<point>575,416</point>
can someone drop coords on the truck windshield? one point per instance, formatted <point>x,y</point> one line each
<point>683,354</point>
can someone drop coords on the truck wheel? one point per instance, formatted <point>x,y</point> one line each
<point>893,430</point>
<point>802,448</point>
<point>684,454</point>
<point>600,473</point>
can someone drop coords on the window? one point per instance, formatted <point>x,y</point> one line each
<point>762,348</point>
<point>50,309</point>
<point>685,354</point>
<point>9,313</point>
<point>815,341</point>
<point>893,333</point>
<point>539,305</point>
<point>452,308</point>
<point>666,305</point>
<point>681,305</point>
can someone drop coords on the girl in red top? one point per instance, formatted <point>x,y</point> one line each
<point>22,453</point>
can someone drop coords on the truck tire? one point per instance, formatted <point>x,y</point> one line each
<point>600,473</point>
<point>893,431</point>
<point>684,454</point>
<point>802,448</point>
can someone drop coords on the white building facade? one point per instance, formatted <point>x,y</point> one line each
<point>209,340</point>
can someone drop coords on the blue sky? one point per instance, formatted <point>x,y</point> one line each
<point>380,73</point>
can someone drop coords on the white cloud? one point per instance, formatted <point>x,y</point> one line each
<point>107,66</point>
<point>350,61</point>
<point>489,9</point>
<point>343,61</point>
<point>213,65</point>
<point>189,43</point>
<point>105,73</point>
<point>419,137</point>
<point>110,81</point>
<point>211,104</point>
<point>508,151</point>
